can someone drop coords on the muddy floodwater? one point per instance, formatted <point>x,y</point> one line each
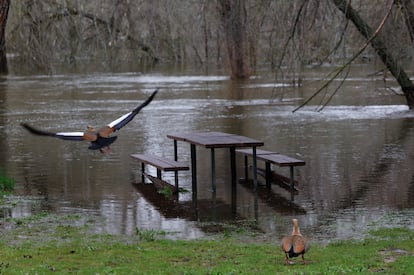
<point>359,150</point>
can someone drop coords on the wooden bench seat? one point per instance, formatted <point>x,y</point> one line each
<point>162,164</point>
<point>272,157</point>
<point>269,158</point>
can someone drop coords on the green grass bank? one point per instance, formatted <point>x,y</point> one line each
<point>48,244</point>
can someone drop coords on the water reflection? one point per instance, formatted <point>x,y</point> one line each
<point>358,151</point>
<point>3,136</point>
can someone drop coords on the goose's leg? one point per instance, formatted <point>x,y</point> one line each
<point>303,259</point>
<point>287,259</point>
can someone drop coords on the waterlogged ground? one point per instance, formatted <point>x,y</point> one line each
<point>358,151</point>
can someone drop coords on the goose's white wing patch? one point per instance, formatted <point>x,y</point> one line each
<point>70,135</point>
<point>118,120</point>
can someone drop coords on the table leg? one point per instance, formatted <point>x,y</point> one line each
<point>194,173</point>
<point>233,178</point>
<point>246,169</point>
<point>255,169</point>
<point>268,175</point>
<point>292,183</point>
<point>142,173</point>
<point>175,150</point>
<point>176,159</point>
<point>213,171</point>
<point>256,208</point>
<point>214,206</point>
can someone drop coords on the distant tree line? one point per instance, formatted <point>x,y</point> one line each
<point>244,35</point>
<point>43,33</point>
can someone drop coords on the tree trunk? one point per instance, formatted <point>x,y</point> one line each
<point>4,11</point>
<point>232,17</point>
<point>379,46</point>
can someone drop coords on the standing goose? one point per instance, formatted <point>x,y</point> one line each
<point>99,138</point>
<point>295,245</point>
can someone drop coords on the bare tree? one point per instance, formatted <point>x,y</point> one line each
<point>380,47</point>
<point>282,36</point>
<point>4,11</point>
<point>233,14</point>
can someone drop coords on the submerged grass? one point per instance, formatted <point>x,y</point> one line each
<point>50,243</point>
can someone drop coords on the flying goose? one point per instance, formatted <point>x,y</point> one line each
<point>99,138</point>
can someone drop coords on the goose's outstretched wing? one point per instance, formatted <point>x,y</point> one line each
<point>123,120</point>
<point>91,135</point>
<point>78,136</point>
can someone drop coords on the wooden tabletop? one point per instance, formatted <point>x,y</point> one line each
<point>258,152</point>
<point>216,139</point>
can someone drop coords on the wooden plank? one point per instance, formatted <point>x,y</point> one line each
<point>196,135</point>
<point>233,140</point>
<point>272,157</point>
<point>161,163</point>
<point>278,179</point>
<point>249,152</point>
<point>281,160</point>
<point>216,139</point>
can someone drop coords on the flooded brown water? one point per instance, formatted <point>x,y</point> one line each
<point>358,151</point>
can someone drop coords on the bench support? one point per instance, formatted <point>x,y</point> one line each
<point>194,174</point>
<point>270,158</point>
<point>142,172</point>
<point>292,182</point>
<point>268,175</point>
<point>233,179</point>
<point>161,164</point>
<point>176,159</point>
<point>246,168</point>
<point>255,169</point>
<point>213,171</point>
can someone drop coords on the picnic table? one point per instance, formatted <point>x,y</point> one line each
<point>212,141</point>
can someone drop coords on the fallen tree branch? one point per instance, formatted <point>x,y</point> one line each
<point>343,67</point>
<point>336,90</point>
